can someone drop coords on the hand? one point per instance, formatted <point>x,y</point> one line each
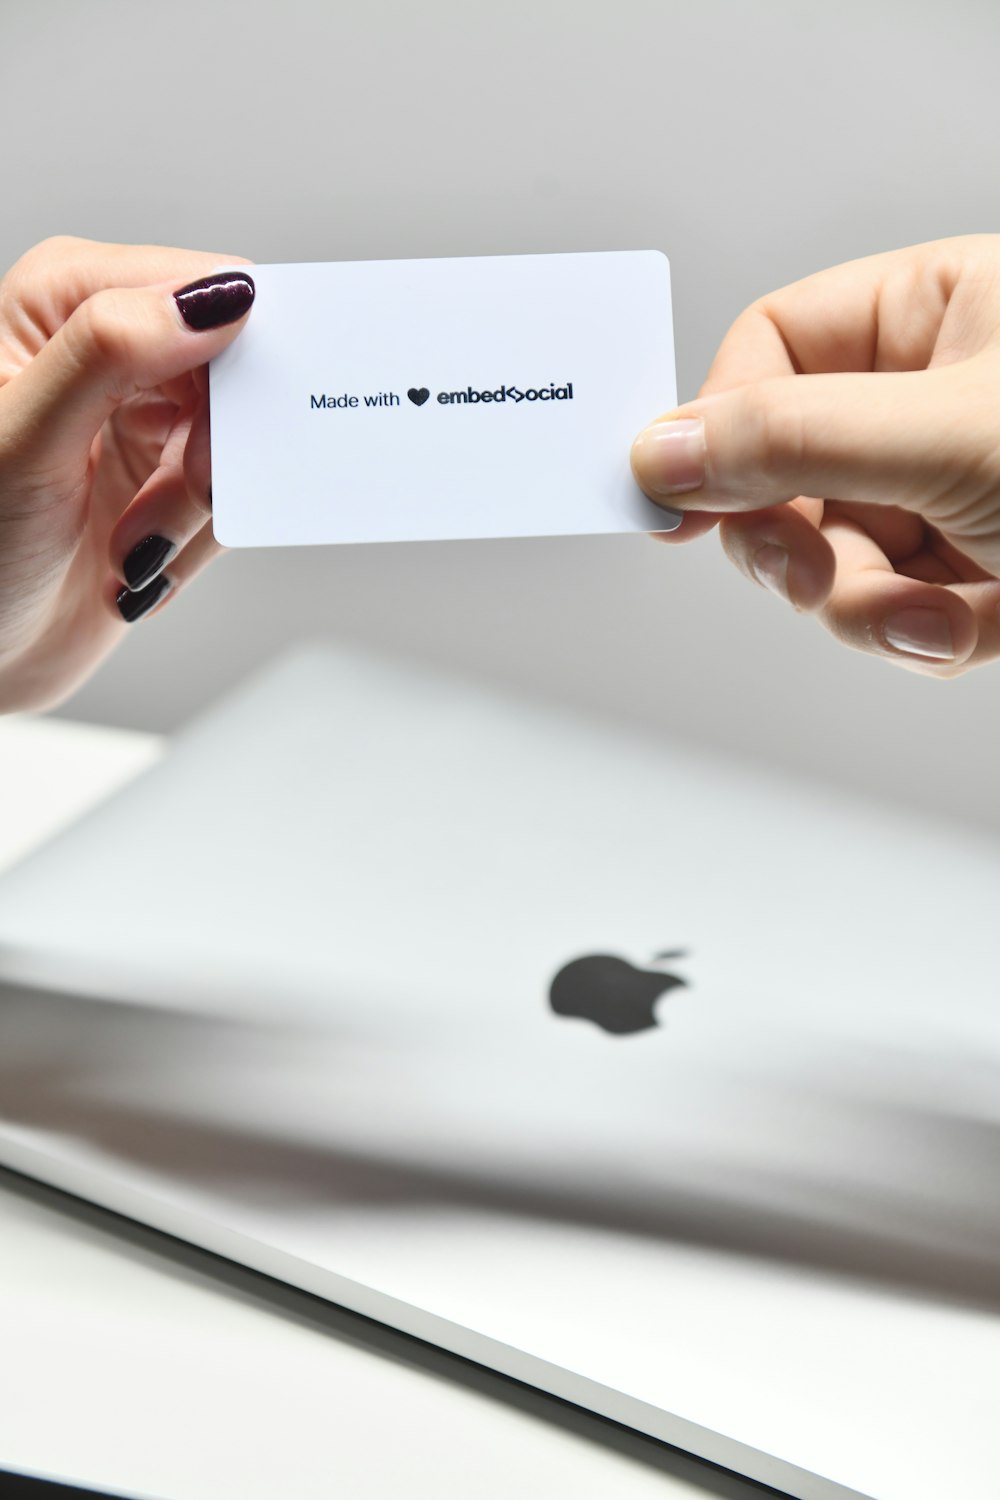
<point>870,499</point>
<point>105,478</point>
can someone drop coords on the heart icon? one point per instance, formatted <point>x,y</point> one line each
<point>418,396</point>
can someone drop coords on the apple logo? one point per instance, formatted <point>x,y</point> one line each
<point>611,992</point>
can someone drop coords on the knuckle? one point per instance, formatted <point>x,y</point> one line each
<point>837,624</point>
<point>100,324</point>
<point>740,537</point>
<point>57,247</point>
<point>42,260</point>
<point>99,337</point>
<point>54,247</point>
<point>779,428</point>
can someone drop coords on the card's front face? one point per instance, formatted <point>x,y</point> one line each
<point>428,399</point>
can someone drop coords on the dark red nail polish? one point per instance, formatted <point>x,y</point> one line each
<point>146,559</point>
<point>215,300</point>
<point>133,605</point>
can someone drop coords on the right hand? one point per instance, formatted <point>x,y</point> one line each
<point>848,440</point>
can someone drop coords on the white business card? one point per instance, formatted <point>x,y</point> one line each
<point>409,400</point>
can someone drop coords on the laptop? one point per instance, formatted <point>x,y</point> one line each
<point>664,1083</point>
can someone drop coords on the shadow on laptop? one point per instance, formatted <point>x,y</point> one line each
<point>915,1206</point>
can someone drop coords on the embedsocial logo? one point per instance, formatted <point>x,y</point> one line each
<point>512,393</point>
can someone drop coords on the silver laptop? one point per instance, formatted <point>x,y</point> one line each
<point>664,1084</point>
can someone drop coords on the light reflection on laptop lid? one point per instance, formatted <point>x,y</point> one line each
<point>662,1083</point>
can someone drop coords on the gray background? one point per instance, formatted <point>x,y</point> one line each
<point>753,142</point>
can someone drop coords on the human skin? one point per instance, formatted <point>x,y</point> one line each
<point>875,385</point>
<point>104,443</point>
<point>847,444</point>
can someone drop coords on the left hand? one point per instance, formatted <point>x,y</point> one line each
<point>105,478</point>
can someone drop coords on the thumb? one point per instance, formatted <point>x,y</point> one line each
<point>117,342</point>
<point>893,439</point>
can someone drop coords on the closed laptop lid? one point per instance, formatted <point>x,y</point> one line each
<point>664,1083</point>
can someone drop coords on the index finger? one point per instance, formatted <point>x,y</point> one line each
<point>53,278</point>
<point>880,313</point>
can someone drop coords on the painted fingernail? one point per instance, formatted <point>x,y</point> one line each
<point>920,632</point>
<point>132,605</point>
<point>146,559</point>
<point>215,300</point>
<point>668,458</point>
<point>770,567</point>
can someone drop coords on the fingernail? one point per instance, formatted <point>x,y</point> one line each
<point>668,458</point>
<point>770,567</point>
<point>132,605</point>
<point>920,632</point>
<point>215,300</point>
<point>146,560</point>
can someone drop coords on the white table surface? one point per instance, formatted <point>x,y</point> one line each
<point>144,1367</point>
